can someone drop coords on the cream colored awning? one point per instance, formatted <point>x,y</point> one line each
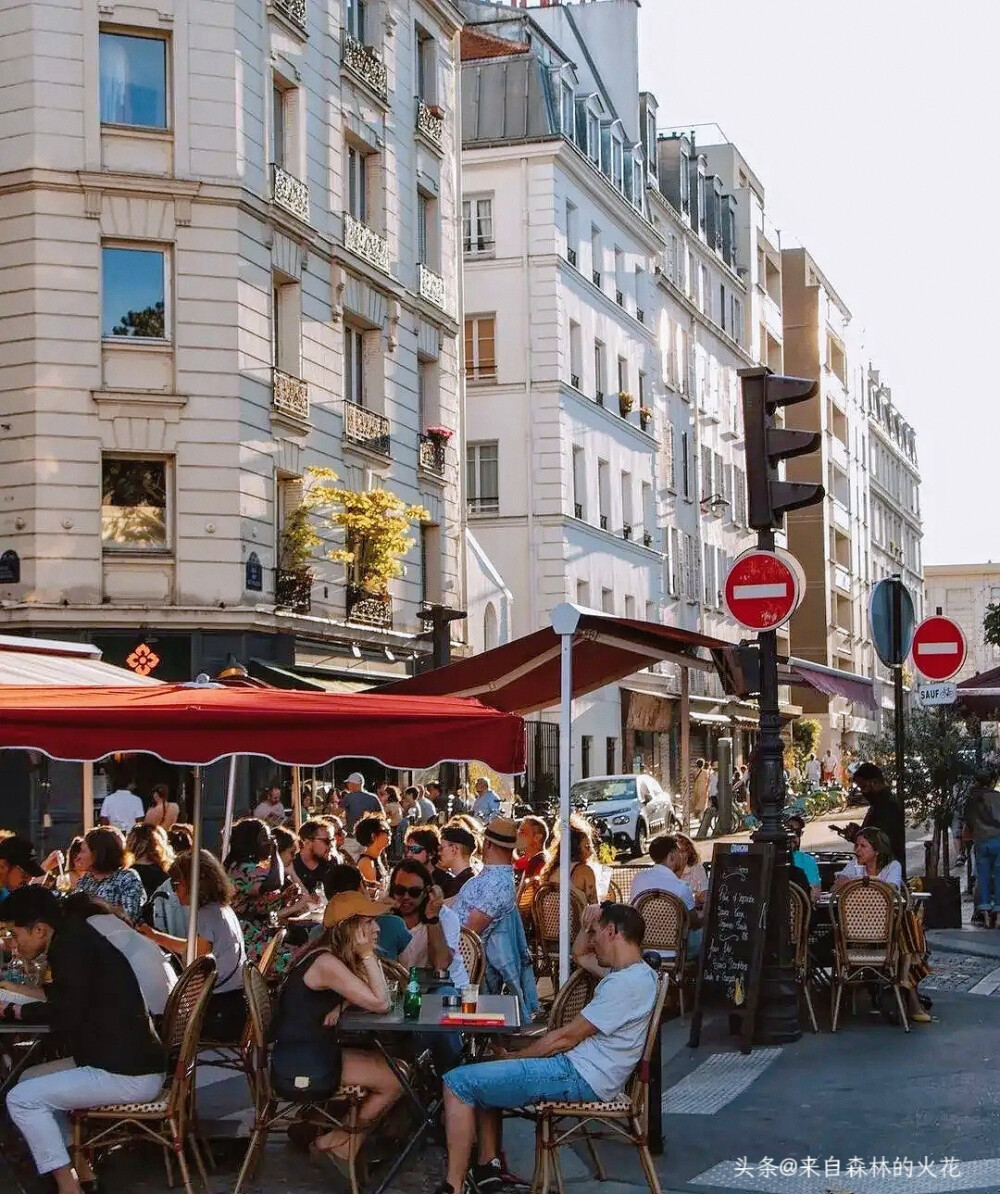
<point>46,663</point>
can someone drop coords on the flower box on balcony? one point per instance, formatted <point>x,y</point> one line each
<point>293,589</point>
<point>626,404</point>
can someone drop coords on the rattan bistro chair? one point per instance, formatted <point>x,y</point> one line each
<point>473,953</point>
<point>273,1114</point>
<point>269,956</point>
<point>866,914</point>
<point>800,908</point>
<point>167,1120</point>
<point>545,913</point>
<point>667,926</point>
<point>558,1124</point>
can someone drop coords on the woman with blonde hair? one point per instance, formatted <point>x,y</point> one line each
<point>308,1063</point>
<point>581,851</point>
<point>694,873</point>
<point>153,854</point>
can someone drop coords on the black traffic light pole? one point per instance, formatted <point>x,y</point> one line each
<point>769,498</point>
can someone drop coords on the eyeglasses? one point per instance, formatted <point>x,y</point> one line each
<point>415,848</point>
<point>323,839</point>
<point>399,891</point>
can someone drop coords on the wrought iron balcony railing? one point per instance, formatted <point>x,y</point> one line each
<point>289,395</point>
<point>367,429</point>
<point>369,609</point>
<point>366,63</point>
<point>430,122</point>
<point>366,242</point>
<point>431,455</point>
<point>289,192</point>
<point>431,286</point>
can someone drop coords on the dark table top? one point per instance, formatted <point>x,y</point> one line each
<point>431,1011</point>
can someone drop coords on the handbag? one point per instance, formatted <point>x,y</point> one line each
<point>305,1074</point>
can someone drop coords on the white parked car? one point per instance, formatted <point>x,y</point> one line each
<point>627,809</point>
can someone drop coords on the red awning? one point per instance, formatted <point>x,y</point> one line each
<point>192,725</point>
<point>831,681</point>
<point>523,676</point>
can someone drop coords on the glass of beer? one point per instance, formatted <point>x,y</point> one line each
<point>470,998</point>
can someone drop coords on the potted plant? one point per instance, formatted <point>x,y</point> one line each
<point>625,403</point>
<point>440,435</point>
<point>645,416</point>
<point>293,584</point>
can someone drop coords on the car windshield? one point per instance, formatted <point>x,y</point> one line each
<point>591,791</point>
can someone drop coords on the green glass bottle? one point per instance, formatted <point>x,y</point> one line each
<point>411,999</point>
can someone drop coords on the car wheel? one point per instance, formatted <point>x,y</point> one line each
<point>641,843</point>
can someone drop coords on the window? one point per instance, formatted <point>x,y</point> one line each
<point>669,456</point>
<point>571,233</point>
<point>685,465</point>
<point>722,306</point>
<point>579,482</point>
<point>482,477</point>
<point>610,755</point>
<point>627,516</point>
<point>568,112</point>
<point>736,321</point>
<point>619,277</point>
<point>583,593</point>
<point>133,80</point>
<point>608,601</point>
<point>426,66</point>
<point>422,226</point>
<point>477,225</point>
<point>354,20</point>
<point>279,125</point>
<point>600,374</point>
<point>133,293</point>
<point>354,366</point>
<point>642,389</point>
<point>357,183</point>
<point>491,628</point>
<point>648,513</point>
<point>480,348</point>
<point>594,137</point>
<point>674,562</point>
<point>586,754</point>
<point>575,354</point>
<point>708,574</point>
<point>618,163</point>
<point>603,493</point>
<point>622,375</point>
<point>629,606</point>
<point>739,497</point>
<point>707,481</point>
<point>134,504</point>
<point>684,181</point>
<point>286,323</point>
<point>596,255</point>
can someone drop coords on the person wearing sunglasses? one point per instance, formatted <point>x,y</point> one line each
<point>434,928</point>
<point>316,852</point>
<point>423,845</point>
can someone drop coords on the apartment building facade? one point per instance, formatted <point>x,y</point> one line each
<point>963,592</point>
<point>830,539</point>
<point>230,253</point>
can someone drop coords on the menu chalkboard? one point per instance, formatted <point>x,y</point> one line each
<point>732,947</point>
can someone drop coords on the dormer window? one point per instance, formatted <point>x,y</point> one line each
<point>617,163</point>
<point>637,187</point>
<point>594,137</point>
<point>568,112</point>
<point>684,163</point>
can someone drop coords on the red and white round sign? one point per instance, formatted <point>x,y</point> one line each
<point>938,648</point>
<point>762,590</point>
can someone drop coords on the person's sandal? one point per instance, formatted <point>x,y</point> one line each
<point>920,1017</point>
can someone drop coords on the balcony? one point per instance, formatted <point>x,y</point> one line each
<point>366,429</point>
<point>293,589</point>
<point>571,257</point>
<point>430,123</point>
<point>369,609</point>
<point>483,505</point>
<point>578,509</point>
<point>289,395</point>
<point>365,62</point>
<point>289,192</point>
<point>647,538</point>
<point>841,516</point>
<point>838,452</point>
<point>294,11</point>
<point>574,380</point>
<point>431,285</point>
<point>366,243</point>
<point>431,455</point>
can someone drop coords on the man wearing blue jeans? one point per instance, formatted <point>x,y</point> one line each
<point>589,1059</point>
<point>982,821</point>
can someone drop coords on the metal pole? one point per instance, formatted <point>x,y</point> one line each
<point>565,779</point>
<point>195,883</point>
<point>686,747</point>
<point>88,797</point>
<point>778,1008</point>
<point>227,822</point>
<point>897,685</point>
<point>296,799</point>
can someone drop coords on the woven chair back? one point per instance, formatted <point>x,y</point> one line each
<point>621,877</point>
<point>394,972</point>
<point>799,907</point>
<point>269,958</point>
<point>571,998</point>
<point>867,911</point>
<point>638,1088</point>
<point>473,953</point>
<point>546,914</point>
<point>190,1037</point>
<point>181,1003</point>
<point>666,921</point>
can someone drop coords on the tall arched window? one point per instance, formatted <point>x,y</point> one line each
<point>491,628</point>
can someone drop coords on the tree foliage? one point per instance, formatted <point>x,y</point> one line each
<point>939,760</point>
<point>991,624</point>
<point>149,323</point>
<point>805,738</point>
<point>375,524</point>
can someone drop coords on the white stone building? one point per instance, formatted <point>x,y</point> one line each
<point>962,592</point>
<point>229,251</point>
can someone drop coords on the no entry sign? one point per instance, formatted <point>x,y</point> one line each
<point>761,590</point>
<point>938,648</point>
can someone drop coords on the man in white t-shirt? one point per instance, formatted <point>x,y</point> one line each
<point>121,808</point>
<point>814,771</point>
<point>589,1059</point>
<point>665,875</point>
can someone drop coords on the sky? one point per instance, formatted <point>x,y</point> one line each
<point>874,127</point>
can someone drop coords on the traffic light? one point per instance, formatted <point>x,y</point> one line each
<point>766,445</point>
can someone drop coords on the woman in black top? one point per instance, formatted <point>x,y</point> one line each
<point>307,1062</point>
<point>150,847</point>
<point>95,1005</point>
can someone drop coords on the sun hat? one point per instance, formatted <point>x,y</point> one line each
<point>353,903</point>
<point>502,832</point>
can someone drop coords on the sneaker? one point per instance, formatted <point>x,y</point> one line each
<point>488,1178</point>
<point>979,918</point>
